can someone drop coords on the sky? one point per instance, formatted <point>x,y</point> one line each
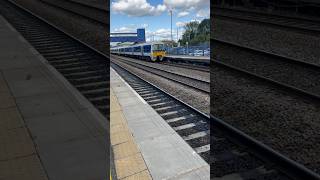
<point>154,16</point>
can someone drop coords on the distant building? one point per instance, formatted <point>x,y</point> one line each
<point>138,37</point>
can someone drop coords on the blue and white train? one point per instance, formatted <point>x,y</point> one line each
<point>153,51</point>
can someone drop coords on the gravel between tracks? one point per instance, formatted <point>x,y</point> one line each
<point>103,4</point>
<point>301,77</point>
<point>290,44</point>
<point>88,31</point>
<point>200,101</point>
<point>285,122</point>
<point>179,70</point>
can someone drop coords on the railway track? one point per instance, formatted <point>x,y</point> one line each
<point>187,61</point>
<point>304,25</point>
<point>93,13</point>
<point>233,153</point>
<point>273,85</point>
<point>198,84</point>
<point>192,125</point>
<point>88,71</point>
<point>100,4</point>
<point>84,67</point>
<point>291,73</point>
<point>101,15</point>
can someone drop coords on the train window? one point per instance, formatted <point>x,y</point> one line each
<point>147,48</point>
<point>137,49</point>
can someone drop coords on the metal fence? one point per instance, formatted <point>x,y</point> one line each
<point>200,50</point>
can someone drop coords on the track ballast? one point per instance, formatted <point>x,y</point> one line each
<point>85,68</point>
<point>233,153</point>
<point>293,23</point>
<point>192,82</point>
<point>292,73</point>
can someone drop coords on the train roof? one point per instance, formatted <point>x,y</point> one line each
<point>141,44</point>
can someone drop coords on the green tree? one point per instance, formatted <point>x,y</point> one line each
<point>196,33</point>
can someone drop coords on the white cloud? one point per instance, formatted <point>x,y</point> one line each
<point>203,13</point>
<point>160,34</point>
<point>163,33</point>
<point>125,29</point>
<point>195,20</point>
<point>131,28</point>
<point>180,24</point>
<point>187,4</point>
<point>137,8</point>
<point>183,13</point>
<point>145,25</point>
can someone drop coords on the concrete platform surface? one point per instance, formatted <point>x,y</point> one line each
<point>48,130</point>
<point>129,163</point>
<point>166,154</point>
<point>189,57</point>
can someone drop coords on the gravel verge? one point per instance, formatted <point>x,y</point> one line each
<point>187,81</point>
<point>103,4</point>
<point>286,122</point>
<point>90,12</point>
<point>88,31</point>
<point>296,75</point>
<point>286,43</point>
<point>196,74</point>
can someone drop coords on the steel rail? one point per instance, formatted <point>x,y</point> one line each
<point>202,89</point>
<point>257,148</point>
<point>167,98</point>
<point>285,164</point>
<point>266,53</point>
<point>97,99</point>
<point>289,86</point>
<point>192,67</point>
<point>91,6</point>
<point>271,22</point>
<point>103,14</point>
<point>295,169</point>
<point>268,80</point>
<point>170,72</point>
<point>59,29</point>
<point>269,14</point>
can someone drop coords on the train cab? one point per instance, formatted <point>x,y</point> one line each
<point>158,51</point>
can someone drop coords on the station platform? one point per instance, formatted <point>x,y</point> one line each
<point>48,130</point>
<point>143,144</point>
<point>202,59</point>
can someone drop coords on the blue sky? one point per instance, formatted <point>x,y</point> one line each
<point>128,15</point>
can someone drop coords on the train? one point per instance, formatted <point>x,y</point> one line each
<point>152,51</point>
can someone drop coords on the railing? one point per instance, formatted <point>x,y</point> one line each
<point>201,50</point>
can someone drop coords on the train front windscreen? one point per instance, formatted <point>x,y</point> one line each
<point>158,47</point>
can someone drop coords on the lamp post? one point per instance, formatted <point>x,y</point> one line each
<point>187,48</point>
<point>177,34</point>
<point>171,28</point>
